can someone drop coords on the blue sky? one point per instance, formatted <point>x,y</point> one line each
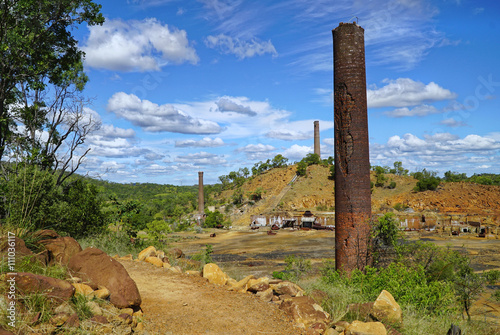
<point>215,85</point>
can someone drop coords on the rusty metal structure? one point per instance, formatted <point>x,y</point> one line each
<point>201,195</point>
<point>352,163</point>
<point>317,149</point>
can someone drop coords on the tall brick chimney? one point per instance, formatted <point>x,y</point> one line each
<point>352,161</point>
<point>317,149</point>
<point>201,196</point>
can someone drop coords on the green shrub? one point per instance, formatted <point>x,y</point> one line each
<point>492,276</point>
<point>296,268</point>
<point>204,256</point>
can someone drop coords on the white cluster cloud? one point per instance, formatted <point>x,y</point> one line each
<point>437,150</point>
<point>297,152</point>
<point>421,110</point>
<point>157,118</point>
<point>240,48</point>
<point>137,46</point>
<point>257,151</point>
<point>206,142</point>
<point>405,92</point>
<point>451,122</point>
<point>201,158</point>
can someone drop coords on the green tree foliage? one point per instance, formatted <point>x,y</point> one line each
<point>398,169</point>
<point>454,176</point>
<point>379,175</point>
<point>36,47</point>
<point>310,159</point>
<point>257,194</point>
<point>34,200</point>
<point>214,219</point>
<point>237,196</point>
<point>279,161</point>
<point>427,180</point>
<point>332,172</point>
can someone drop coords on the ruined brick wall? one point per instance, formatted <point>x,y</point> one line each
<point>352,163</point>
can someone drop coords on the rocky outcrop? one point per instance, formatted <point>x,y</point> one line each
<point>306,312</point>
<point>96,266</point>
<point>214,274</point>
<point>55,289</point>
<point>365,328</point>
<point>61,249</point>
<point>386,309</point>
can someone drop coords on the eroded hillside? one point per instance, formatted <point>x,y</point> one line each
<point>315,192</point>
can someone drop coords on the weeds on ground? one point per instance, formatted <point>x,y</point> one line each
<point>204,256</point>
<point>296,268</point>
<point>119,243</point>
<point>79,303</point>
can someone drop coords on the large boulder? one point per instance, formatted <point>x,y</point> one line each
<point>305,311</point>
<point>366,328</point>
<point>55,289</point>
<point>61,249</point>
<point>15,247</point>
<point>148,252</point>
<point>386,309</point>
<point>214,274</point>
<point>258,285</point>
<point>96,266</point>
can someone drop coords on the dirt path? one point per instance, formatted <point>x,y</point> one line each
<point>179,304</point>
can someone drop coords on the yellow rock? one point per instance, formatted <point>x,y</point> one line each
<point>242,285</point>
<point>167,265</point>
<point>149,251</point>
<point>372,328</point>
<point>160,254</point>
<point>193,273</point>
<point>214,274</point>
<point>140,326</point>
<point>154,260</point>
<point>82,289</point>
<point>128,311</point>
<point>101,293</point>
<point>385,308</point>
<point>127,257</point>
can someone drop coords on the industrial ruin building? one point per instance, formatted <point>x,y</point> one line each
<point>352,164</point>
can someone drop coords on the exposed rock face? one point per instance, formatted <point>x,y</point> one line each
<point>366,328</point>
<point>385,308</point>
<point>305,311</point>
<point>287,287</point>
<point>148,252</point>
<point>55,289</point>
<point>214,274</point>
<point>61,249</point>
<point>102,270</point>
<point>258,285</point>
<point>155,261</point>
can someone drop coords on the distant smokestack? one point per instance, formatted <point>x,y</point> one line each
<point>201,196</point>
<point>352,162</point>
<point>317,150</point>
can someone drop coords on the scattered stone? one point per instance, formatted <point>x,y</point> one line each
<point>96,266</point>
<point>61,249</point>
<point>65,308</point>
<point>257,285</point>
<point>154,260</point>
<point>167,265</point>
<point>266,295</point>
<point>366,328</point>
<point>126,318</point>
<point>194,273</point>
<point>99,319</point>
<point>176,269</point>
<point>340,326</point>
<point>286,287</point>
<point>148,252</point>
<point>305,311</point>
<point>138,313</point>
<point>82,289</point>
<point>160,254</point>
<point>59,319</point>
<point>386,309</point>
<point>53,288</point>
<point>214,274</point>
<point>331,331</point>
<point>101,293</point>
<point>128,311</point>
<point>46,234</point>
<point>140,326</point>
<point>176,253</point>
<point>94,308</point>
<point>73,321</point>
<point>242,285</point>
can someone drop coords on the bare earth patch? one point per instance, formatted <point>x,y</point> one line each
<point>179,304</point>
